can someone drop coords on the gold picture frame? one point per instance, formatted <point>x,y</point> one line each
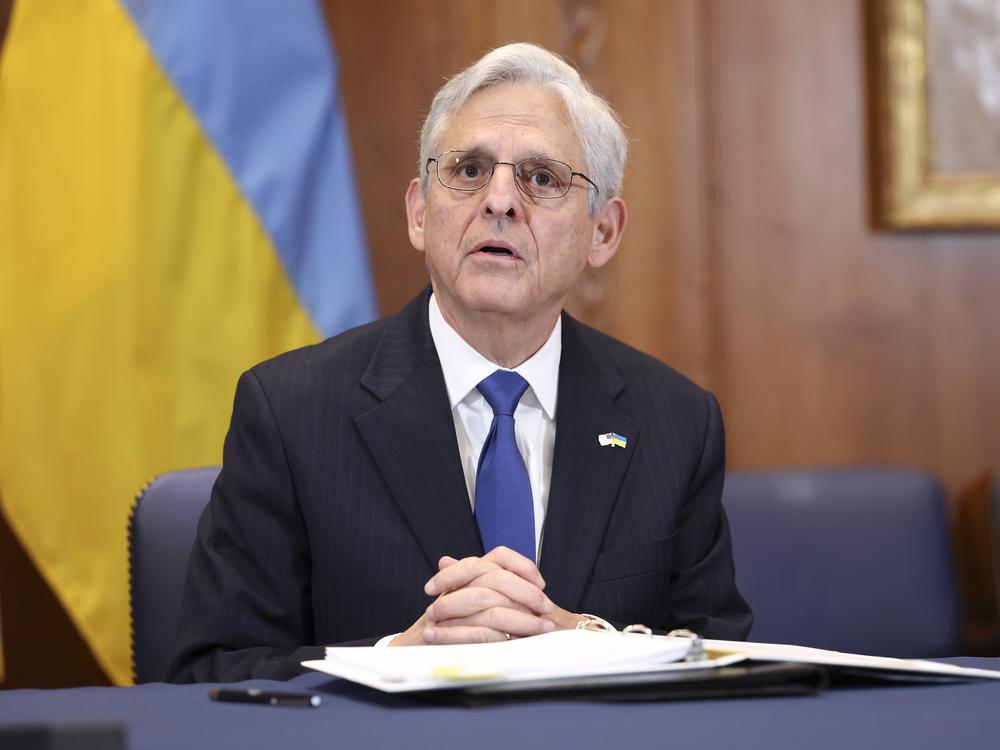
<point>911,193</point>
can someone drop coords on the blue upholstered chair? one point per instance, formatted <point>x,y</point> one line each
<point>852,560</point>
<point>161,533</point>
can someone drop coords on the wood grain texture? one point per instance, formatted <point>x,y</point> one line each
<point>661,294</point>
<point>393,56</point>
<point>42,648</point>
<point>977,519</point>
<point>840,344</point>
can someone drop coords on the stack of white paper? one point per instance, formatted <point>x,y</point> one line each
<point>584,653</point>
<point>564,653</point>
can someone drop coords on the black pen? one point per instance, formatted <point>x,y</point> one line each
<point>268,697</point>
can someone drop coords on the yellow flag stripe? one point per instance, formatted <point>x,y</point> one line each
<point>135,284</point>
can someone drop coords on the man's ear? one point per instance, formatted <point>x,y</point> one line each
<point>415,205</point>
<point>609,224</point>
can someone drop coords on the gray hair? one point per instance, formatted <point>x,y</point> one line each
<point>605,148</point>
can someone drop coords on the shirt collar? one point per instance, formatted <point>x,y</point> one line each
<point>464,368</point>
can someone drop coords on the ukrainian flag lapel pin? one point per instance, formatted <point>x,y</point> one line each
<point>613,438</point>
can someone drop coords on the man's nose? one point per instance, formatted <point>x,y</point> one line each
<point>503,197</point>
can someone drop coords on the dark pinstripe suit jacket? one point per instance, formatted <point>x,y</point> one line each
<point>342,487</point>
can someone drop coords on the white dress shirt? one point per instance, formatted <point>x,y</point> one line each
<point>534,418</point>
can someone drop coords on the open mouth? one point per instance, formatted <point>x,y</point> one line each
<point>492,250</point>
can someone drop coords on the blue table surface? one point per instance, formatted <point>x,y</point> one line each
<point>182,716</point>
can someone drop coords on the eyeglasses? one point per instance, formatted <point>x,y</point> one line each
<point>468,171</point>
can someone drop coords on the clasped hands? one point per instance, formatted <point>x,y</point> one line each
<point>491,598</point>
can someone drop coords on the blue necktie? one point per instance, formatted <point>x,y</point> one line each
<point>504,509</point>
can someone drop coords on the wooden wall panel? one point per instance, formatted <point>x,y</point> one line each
<point>661,290</point>
<point>393,56</point>
<point>840,344</point>
<point>642,56</point>
<point>42,648</point>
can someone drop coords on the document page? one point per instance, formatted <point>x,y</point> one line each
<point>884,665</point>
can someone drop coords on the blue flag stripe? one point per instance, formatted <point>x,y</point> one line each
<point>261,78</point>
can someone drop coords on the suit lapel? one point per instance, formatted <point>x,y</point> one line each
<point>586,476</point>
<point>411,436</point>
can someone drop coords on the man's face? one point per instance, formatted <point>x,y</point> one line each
<point>550,242</point>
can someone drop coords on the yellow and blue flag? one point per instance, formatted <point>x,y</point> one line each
<point>176,204</point>
<point>613,438</point>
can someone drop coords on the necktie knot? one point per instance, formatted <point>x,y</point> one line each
<point>502,391</point>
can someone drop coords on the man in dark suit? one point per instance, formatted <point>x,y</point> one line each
<point>479,466</point>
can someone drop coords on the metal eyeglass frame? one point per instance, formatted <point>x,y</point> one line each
<point>512,165</point>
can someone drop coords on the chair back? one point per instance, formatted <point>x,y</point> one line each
<point>162,529</point>
<point>852,560</point>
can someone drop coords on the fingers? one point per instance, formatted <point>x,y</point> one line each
<point>516,589</point>
<point>488,598</point>
<point>471,616</point>
<point>500,619</point>
<point>469,601</point>
<point>475,615</point>
<point>413,635</point>
<point>516,563</point>
<point>454,574</point>
<point>445,636</point>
